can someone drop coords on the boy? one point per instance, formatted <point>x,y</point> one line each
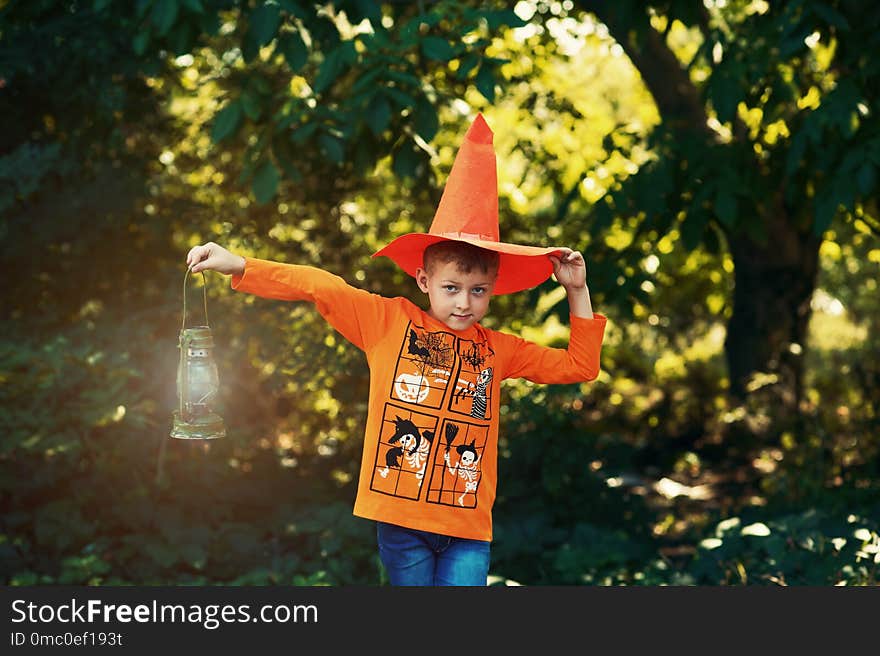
<point>428,471</point>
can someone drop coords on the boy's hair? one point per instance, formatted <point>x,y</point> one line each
<point>466,257</point>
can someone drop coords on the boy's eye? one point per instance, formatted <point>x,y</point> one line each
<point>450,288</point>
<point>478,290</point>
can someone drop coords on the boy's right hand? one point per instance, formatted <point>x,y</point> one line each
<point>212,257</point>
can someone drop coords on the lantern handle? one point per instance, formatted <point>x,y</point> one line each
<point>205,292</point>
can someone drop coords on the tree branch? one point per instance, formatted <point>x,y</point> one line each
<point>668,82</point>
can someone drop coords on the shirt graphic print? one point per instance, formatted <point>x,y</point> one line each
<point>435,422</point>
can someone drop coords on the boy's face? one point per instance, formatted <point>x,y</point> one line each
<point>458,299</point>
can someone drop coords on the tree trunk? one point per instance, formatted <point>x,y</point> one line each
<point>774,279</point>
<point>767,332</point>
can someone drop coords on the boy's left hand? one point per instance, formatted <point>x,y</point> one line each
<point>569,268</point>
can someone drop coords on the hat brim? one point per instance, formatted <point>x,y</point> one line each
<point>520,267</point>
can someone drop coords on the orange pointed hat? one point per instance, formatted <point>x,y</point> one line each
<point>468,212</point>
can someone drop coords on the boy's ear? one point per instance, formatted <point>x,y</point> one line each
<point>422,279</point>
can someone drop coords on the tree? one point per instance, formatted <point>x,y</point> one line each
<point>342,84</point>
<point>302,98</point>
<point>768,131</point>
<point>331,89</point>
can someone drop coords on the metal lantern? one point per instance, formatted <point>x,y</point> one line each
<point>197,380</point>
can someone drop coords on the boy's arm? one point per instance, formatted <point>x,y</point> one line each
<point>543,364</point>
<point>357,314</point>
<point>580,361</point>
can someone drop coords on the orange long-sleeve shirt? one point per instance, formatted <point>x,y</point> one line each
<point>430,448</point>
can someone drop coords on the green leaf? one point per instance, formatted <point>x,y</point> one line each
<point>348,53</point>
<point>264,22</point>
<point>426,121</point>
<point>408,33</point>
<point>181,38</point>
<point>433,47</point>
<point>403,100</point>
<point>830,15</point>
<point>302,134</point>
<point>468,63</point>
<point>332,147</point>
<point>866,178</point>
<point>504,17</point>
<point>194,6</point>
<point>227,121</point>
<point>291,45</point>
<point>366,154</point>
<point>330,69</point>
<point>210,23</point>
<point>795,44</point>
<point>796,152</point>
<point>485,82</point>
<point>265,182</point>
<point>496,61</point>
<point>164,14</point>
<point>726,207</point>
<point>139,43</point>
<point>250,48</point>
<point>260,85</point>
<point>324,32</point>
<point>405,79</point>
<point>360,9</point>
<point>406,161</point>
<point>725,95</point>
<point>366,81</point>
<point>826,208</point>
<point>250,103</point>
<point>378,114</point>
<point>294,8</point>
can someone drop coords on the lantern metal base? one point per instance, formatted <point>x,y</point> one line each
<point>209,427</point>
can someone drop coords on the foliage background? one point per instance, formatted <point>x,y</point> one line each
<point>284,130</point>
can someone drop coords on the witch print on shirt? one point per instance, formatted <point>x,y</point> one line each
<point>405,445</point>
<point>436,372</point>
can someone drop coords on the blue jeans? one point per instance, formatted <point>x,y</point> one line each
<point>414,557</point>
